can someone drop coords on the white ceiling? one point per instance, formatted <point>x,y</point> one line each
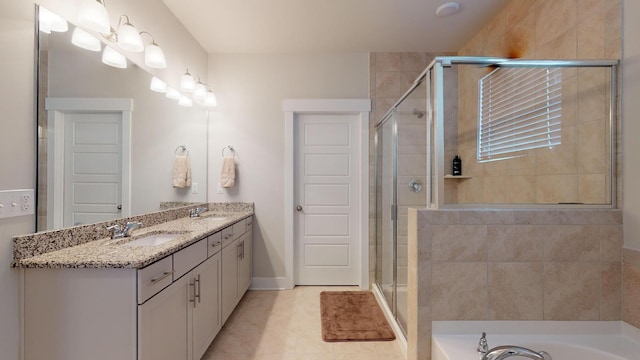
<point>288,26</point>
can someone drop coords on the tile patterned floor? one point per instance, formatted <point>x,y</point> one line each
<point>285,325</point>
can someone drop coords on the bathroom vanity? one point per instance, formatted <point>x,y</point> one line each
<point>163,293</point>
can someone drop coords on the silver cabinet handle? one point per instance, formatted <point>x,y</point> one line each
<point>299,208</point>
<point>197,295</point>
<point>194,292</point>
<point>239,250</point>
<point>166,274</point>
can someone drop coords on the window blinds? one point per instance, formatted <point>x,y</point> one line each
<point>520,109</point>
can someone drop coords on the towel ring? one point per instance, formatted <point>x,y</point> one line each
<point>230,147</point>
<point>182,149</point>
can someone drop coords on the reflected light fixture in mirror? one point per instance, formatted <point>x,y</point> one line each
<point>153,54</point>
<point>93,15</point>
<point>49,21</point>
<point>210,99</point>
<point>187,82</point>
<point>173,94</point>
<point>113,58</point>
<point>83,39</point>
<point>158,85</point>
<point>128,37</point>
<point>185,101</point>
<point>199,91</point>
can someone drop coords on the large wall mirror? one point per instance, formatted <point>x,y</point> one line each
<point>107,143</point>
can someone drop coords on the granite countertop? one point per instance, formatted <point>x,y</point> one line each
<point>110,253</point>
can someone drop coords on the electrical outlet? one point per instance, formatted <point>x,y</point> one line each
<point>220,189</point>
<point>16,203</point>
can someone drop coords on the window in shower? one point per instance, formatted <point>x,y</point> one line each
<point>520,110</point>
<point>551,124</point>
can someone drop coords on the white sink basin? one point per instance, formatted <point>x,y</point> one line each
<point>212,216</point>
<point>153,239</point>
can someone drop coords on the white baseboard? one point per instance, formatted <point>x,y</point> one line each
<point>270,283</point>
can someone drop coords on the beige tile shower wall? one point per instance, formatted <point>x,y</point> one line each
<point>631,287</point>
<point>513,265</point>
<point>575,171</point>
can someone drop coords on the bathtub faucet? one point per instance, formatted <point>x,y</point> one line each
<point>506,351</point>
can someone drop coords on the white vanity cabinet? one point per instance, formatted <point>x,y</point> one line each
<point>171,309</point>
<point>181,321</point>
<point>236,266</point>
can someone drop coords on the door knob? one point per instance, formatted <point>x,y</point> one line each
<point>299,208</point>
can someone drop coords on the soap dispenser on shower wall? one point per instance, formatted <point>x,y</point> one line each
<point>456,166</point>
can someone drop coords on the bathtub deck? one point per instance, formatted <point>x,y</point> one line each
<point>563,340</point>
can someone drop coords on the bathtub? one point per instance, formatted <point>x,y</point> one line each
<point>563,340</point>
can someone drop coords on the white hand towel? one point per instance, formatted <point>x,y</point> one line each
<point>181,172</point>
<point>228,173</point>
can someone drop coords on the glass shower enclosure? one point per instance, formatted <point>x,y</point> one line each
<point>531,134</point>
<point>401,146</point>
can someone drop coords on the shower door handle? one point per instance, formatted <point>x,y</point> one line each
<point>298,208</point>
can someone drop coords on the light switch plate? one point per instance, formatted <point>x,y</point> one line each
<point>16,203</point>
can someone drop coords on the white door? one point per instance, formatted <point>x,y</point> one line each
<point>93,167</point>
<point>327,239</point>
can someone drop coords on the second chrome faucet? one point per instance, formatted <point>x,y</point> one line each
<point>118,232</point>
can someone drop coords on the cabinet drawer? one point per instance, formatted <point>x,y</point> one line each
<point>227,236</point>
<point>248,224</point>
<point>238,229</point>
<point>214,243</point>
<point>154,278</point>
<point>188,258</point>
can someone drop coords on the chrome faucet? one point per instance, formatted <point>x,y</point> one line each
<point>483,347</point>
<point>506,351</point>
<point>193,213</point>
<point>117,232</point>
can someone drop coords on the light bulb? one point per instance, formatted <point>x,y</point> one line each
<point>200,91</point>
<point>93,15</point>
<point>185,101</point>
<point>85,40</point>
<point>129,39</point>
<point>113,58</point>
<point>158,85</point>
<point>187,82</point>
<point>154,57</point>
<point>51,22</point>
<point>210,99</point>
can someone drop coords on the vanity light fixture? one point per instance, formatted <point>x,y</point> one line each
<point>199,91</point>
<point>83,39</point>
<point>187,82</point>
<point>93,15</point>
<point>210,99</point>
<point>153,54</point>
<point>48,21</point>
<point>185,101</point>
<point>173,94</point>
<point>158,85</point>
<point>128,37</point>
<point>113,58</point>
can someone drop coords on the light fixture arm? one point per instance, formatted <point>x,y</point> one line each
<point>153,40</point>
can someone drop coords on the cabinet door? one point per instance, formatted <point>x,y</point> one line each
<point>164,326</point>
<point>206,309</point>
<point>244,264</point>
<point>230,255</point>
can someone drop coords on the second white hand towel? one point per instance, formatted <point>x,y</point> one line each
<point>181,172</point>
<point>228,173</point>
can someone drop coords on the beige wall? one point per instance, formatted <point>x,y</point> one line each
<point>578,169</point>
<point>250,89</point>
